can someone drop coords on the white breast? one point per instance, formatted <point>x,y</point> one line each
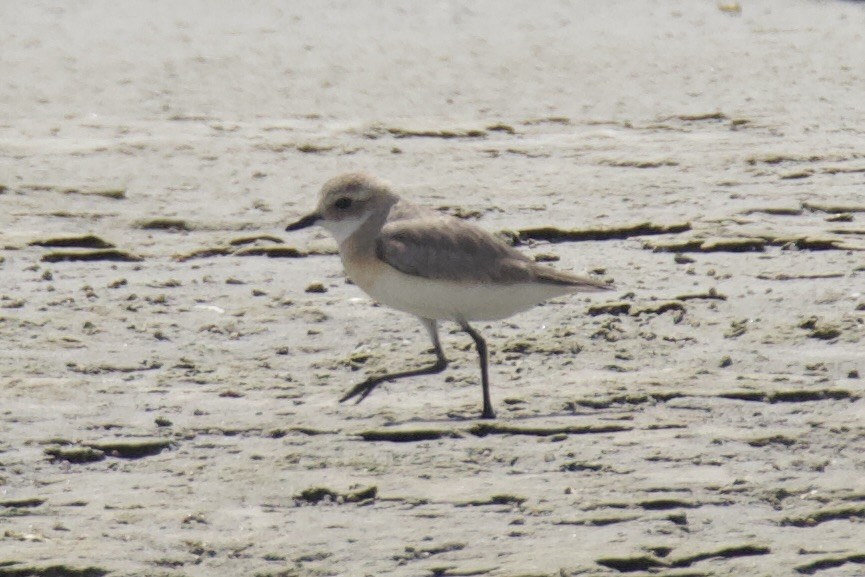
<point>450,300</point>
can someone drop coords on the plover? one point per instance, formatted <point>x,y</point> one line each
<point>434,266</point>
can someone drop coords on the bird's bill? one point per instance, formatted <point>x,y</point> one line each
<point>304,222</point>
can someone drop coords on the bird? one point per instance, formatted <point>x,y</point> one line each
<point>435,266</point>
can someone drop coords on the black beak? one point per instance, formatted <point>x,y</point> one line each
<point>305,222</point>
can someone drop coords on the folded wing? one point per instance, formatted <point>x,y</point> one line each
<point>445,248</point>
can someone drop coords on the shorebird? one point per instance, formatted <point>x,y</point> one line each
<point>436,267</point>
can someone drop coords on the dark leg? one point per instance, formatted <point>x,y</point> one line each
<point>362,390</point>
<point>481,346</point>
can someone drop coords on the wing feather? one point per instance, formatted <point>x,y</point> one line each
<point>445,248</point>
<point>448,249</point>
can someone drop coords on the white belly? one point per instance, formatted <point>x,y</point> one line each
<point>449,300</point>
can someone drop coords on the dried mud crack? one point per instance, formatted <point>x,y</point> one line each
<point>408,436</point>
<point>316,495</point>
<point>485,429</point>
<point>555,234</point>
<point>11,570</point>
<point>111,255</point>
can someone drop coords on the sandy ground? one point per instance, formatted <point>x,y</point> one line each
<point>170,408</point>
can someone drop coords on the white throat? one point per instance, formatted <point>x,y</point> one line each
<point>343,229</point>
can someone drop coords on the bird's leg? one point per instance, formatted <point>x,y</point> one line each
<point>362,390</point>
<point>481,346</point>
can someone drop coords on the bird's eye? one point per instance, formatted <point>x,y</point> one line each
<point>342,203</point>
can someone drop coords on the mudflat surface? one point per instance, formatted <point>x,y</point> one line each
<point>168,406</point>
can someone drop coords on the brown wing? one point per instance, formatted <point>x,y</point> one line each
<point>448,249</point>
<point>441,247</point>
<point>577,282</point>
